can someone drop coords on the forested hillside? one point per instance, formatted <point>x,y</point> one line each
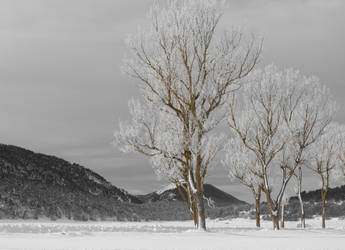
<point>35,185</point>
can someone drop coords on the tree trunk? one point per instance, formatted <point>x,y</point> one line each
<point>282,219</point>
<point>201,212</point>
<point>194,213</point>
<point>273,211</point>
<point>302,216</point>
<point>323,212</point>
<point>323,209</point>
<point>299,190</point>
<point>189,202</point>
<point>275,219</point>
<point>324,190</point>
<point>257,211</point>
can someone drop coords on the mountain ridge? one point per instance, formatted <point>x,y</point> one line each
<point>35,185</point>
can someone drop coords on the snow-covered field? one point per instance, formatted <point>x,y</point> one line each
<point>231,234</point>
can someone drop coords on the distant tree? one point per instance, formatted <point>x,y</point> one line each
<point>243,166</point>
<point>186,75</point>
<point>341,154</point>
<point>325,160</point>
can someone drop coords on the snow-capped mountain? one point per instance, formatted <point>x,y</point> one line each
<point>170,193</point>
<point>35,185</point>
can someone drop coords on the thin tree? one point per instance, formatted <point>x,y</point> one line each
<point>308,109</point>
<point>282,211</point>
<point>186,75</point>
<point>257,119</point>
<point>325,160</point>
<point>243,166</point>
<point>341,154</point>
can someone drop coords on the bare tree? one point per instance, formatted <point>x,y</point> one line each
<point>186,75</point>
<point>325,160</point>
<point>257,119</point>
<point>243,166</point>
<point>308,109</point>
<point>282,113</point>
<point>340,171</point>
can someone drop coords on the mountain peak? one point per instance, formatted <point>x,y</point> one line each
<point>170,193</point>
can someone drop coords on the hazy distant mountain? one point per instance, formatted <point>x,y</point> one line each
<point>170,193</point>
<point>34,185</point>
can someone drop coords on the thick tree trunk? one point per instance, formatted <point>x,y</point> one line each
<point>257,212</point>
<point>275,219</point>
<point>201,212</point>
<point>189,201</point>
<point>273,211</point>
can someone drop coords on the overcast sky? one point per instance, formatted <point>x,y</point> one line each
<point>62,91</point>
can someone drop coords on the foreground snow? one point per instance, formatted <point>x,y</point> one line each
<point>232,234</point>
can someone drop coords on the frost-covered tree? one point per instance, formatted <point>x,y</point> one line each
<point>186,74</point>
<point>256,117</point>
<point>281,114</point>
<point>308,109</point>
<point>341,155</point>
<point>243,166</point>
<point>324,160</point>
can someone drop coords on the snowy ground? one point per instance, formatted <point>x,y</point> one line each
<point>233,234</point>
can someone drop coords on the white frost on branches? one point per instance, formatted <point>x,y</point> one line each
<point>186,76</point>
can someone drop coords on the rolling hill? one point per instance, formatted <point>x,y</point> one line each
<point>35,185</point>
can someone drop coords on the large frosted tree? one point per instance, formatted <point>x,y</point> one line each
<point>186,74</point>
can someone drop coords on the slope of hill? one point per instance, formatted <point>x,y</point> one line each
<point>335,203</point>
<point>171,193</point>
<point>35,185</point>
<point>334,194</point>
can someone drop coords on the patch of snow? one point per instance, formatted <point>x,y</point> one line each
<point>170,235</point>
<point>96,179</point>
<point>170,186</point>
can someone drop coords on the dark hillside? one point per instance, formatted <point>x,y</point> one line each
<point>334,194</point>
<point>35,185</point>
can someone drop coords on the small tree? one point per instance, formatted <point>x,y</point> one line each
<point>325,160</point>
<point>243,166</point>
<point>186,75</point>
